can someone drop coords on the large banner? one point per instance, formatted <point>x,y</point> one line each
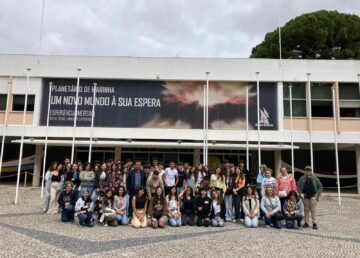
<point>158,104</point>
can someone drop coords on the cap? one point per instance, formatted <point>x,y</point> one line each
<point>308,168</point>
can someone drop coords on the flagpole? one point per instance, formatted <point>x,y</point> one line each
<point>207,118</point>
<point>46,141</point>
<point>75,116</point>
<point>279,21</point>
<point>291,133</point>
<point>258,116</point>
<point>5,127</point>
<point>22,135</point>
<point>204,126</point>
<point>336,145</point>
<point>92,122</point>
<point>247,127</point>
<point>310,121</point>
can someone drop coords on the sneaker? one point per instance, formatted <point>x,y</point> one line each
<point>306,225</point>
<point>315,226</point>
<point>267,226</point>
<point>105,224</point>
<point>241,220</point>
<point>234,220</point>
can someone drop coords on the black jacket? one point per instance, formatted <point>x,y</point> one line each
<point>205,203</point>
<point>222,211</point>
<point>68,197</point>
<point>97,178</point>
<point>130,181</point>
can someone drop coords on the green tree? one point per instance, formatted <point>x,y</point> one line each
<point>318,35</point>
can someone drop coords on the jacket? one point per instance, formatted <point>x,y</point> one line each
<point>299,209</point>
<point>125,204</point>
<point>205,203</point>
<point>151,185</point>
<point>285,185</point>
<point>229,186</point>
<point>81,203</point>
<point>98,182</point>
<point>315,181</point>
<point>130,181</point>
<point>67,197</point>
<point>87,176</point>
<point>270,204</point>
<point>222,211</point>
<point>255,205</point>
<point>216,182</point>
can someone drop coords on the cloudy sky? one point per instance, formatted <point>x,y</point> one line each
<point>184,28</point>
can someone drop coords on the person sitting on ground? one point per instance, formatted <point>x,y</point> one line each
<point>294,210</point>
<point>108,216</point>
<point>218,210</point>
<point>173,205</point>
<point>203,206</point>
<point>67,200</point>
<point>158,209</point>
<point>84,208</point>
<point>188,212</point>
<point>270,205</point>
<point>139,204</point>
<point>251,207</point>
<point>122,206</point>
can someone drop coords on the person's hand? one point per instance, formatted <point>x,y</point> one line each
<point>67,204</point>
<point>217,218</point>
<point>292,213</point>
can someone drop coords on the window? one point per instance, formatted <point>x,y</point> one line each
<point>349,95</point>
<point>19,102</point>
<point>298,99</point>
<point>3,102</point>
<point>321,100</point>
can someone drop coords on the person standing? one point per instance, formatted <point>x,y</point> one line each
<point>182,178</point>
<point>229,196</point>
<point>47,187</point>
<point>268,181</point>
<point>87,178</point>
<point>284,184</point>
<point>238,191</point>
<point>152,183</point>
<point>310,189</point>
<point>170,177</point>
<point>55,189</point>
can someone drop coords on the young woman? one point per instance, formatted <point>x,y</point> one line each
<point>158,208</point>
<point>54,190</point>
<point>217,214</point>
<point>173,205</point>
<point>202,206</point>
<point>87,178</point>
<point>47,186</point>
<point>217,181</point>
<point>67,200</point>
<point>108,209</point>
<point>268,181</point>
<point>113,177</point>
<point>251,207</point>
<point>139,204</point>
<point>285,183</point>
<point>188,212</point>
<point>191,179</point>
<point>238,191</point>
<point>101,178</point>
<point>122,206</point>
<point>270,205</point>
<point>84,208</point>
<point>229,195</point>
<point>294,210</point>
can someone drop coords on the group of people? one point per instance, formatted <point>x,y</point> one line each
<point>117,193</point>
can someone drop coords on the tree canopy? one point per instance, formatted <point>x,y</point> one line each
<point>318,35</point>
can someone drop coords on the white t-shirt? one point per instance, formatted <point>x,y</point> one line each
<point>170,175</point>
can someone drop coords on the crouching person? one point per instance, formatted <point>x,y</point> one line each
<point>251,207</point>
<point>203,206</point>
<point>139,205</point>
<point>294,210</point>
<point>122,206</point>
<point>218,209</point>
<point>109,216</point>
<point>158,209</point>
<point>67,200</point>
<point>84,208</point>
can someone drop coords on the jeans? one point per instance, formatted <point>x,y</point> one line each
<point>290,220</point>
<point>216,223</point>
<point>67,214</point>
<point>272,219</point>
<point>228,205</point>
<point>122,219</point>
<point>174,222</point>
<point>251,223</point>
<point>46,199</point>
<point>85,219</point>
<point>282,202</point>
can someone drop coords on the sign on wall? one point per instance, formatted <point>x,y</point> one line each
<point>158,104</point>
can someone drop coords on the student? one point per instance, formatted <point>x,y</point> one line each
<point>113,177</point>
<point>203,206</point>
<point>173,205</point>
<point>229,196</point>
<point>135,179</point>
<point>54,190</point>
<point>170,177</point>
<point>204,184</point>
<point>152,183</point>
<point>109,215</point>
<point>294,210</point>
<point>270,204</point>
<point>268,181</point>
<point>47,186</point>
<point>285,183</point>
<point>182,178</point>
<point>217,181</point>
<point>67,200</point>
<point>84,208</point>
<point>191,179</point>
<point>188,212</point>
<point>260,178</point>
<point>251,207</point>
<point>217,214</point>
<point>122,206</point>
<point>101,178</point>
<point>158,208</point>
<point>87,178</point>
<point>238,191</point>
<point>139,204</point>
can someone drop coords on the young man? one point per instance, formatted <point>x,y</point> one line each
<point>170,177</point>
<point>182,174</point>
<point>152,183</point>
<point>310,189</point>
<point>203,208</point>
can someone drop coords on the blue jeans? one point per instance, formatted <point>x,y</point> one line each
<point>216,223</point>
<point>85,219</point>
<point>46,199</point>
<point>122,219</point>
<point>67,214</point>
<point>251,222</point>
<point>229,207</point>
<point>272,219</point>
<point>174,222</point>
<point>290,220</point>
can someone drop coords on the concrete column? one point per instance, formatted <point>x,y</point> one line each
<point>37,165</point>
<point>117,153</point>
<point>196,159</point>
<point>277,161</point>
<point>357,149</point>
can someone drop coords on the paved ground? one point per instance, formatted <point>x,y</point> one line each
<point>27,232</point>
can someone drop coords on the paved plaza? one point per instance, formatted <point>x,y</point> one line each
<point>26,232</point>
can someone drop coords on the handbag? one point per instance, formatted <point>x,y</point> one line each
<point>279,215</point>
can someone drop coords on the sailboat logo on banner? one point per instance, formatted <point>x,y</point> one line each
<point>264,118</point>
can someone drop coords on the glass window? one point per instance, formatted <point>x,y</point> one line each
<point>3,102</point>
<point>321,91</point>
<point>298,99</point>
<point>349,91</point>
<point>321,99</point>
<point>19,102</point>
